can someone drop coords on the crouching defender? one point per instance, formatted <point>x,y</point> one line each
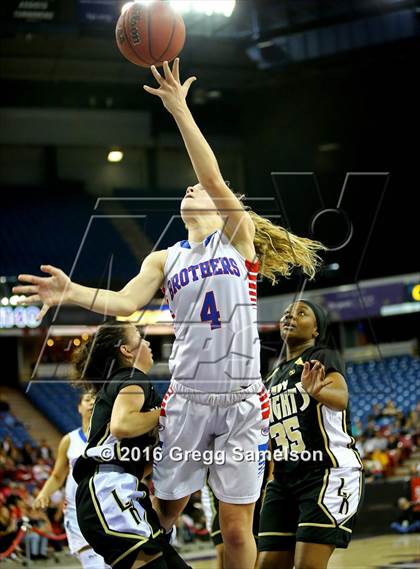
<point>114,511</point>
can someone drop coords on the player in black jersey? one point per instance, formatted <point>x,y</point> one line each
<point>114,510</point>
<point>311,502</point>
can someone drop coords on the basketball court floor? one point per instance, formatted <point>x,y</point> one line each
<point>384,552</point>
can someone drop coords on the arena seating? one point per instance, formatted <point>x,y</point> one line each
<point>375,382</point>
<point>59,401</point>
<point>370,383</point>
<point>56,230</point>
<point>11,427</point>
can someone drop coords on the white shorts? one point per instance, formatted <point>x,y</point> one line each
<point>220,436</point>
<point>75,538</point>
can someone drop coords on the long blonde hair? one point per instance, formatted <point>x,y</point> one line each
<point>280,251</point>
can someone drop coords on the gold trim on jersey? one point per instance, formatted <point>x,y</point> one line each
<point>352,439</point>
<point>322,495</point>
<point>280,533</point>
<point>325,435</point>
<point>212,500</point>
<point>133,548</point>
<point>335,524</point>
<point>271,375</point>
<point>108,531</point>
<point>342,526</point>
<point>101,440</point>
<point>322,506</point>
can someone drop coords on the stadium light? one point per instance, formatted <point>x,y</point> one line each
<point>207,7</point>
<point>115,156</point>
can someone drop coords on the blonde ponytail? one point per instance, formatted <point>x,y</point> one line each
<point>280,251</point>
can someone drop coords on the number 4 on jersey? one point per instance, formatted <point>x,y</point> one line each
<point>209,312</point>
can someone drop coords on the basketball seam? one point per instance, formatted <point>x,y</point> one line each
<point>174,25</point>
<point>149,37</point>
<point>128,37</point>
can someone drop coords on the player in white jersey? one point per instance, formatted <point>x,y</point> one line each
<point>70,448</point>
<point>216,402</point>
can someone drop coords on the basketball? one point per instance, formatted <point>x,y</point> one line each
<point>149,35</point>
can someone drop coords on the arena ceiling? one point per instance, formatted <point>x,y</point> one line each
<point>249,50</point>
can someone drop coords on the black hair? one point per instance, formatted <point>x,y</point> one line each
<point>95,360</point>
<point>321,318</point>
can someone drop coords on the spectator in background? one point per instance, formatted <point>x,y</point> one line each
<point>377,442</point>
<point>412,425</point>
<point>357,428</point>
<point>28,454</point>
<point>360,445</point>
<point>45,451</point>
<point>390,409</point>
<point>41,470</point>
<point>373,469</point>
<point>4,406</point>
<point>8,528</point>
<point>370,429</point>
<point>9,448</point>
<point>376,413</point>
<point>38,544</point>
<point>392,442</point>
<point>408,520</point>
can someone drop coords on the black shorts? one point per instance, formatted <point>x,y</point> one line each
<point>317,505</point>
<point>116,517</point>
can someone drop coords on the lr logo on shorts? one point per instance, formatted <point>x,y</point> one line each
<point>344,508</point>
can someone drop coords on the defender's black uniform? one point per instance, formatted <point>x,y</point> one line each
<point>317,482</point>
<point>114,511</point>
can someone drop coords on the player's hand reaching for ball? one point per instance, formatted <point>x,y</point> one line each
<point>50,290</point>
<point>172,92</point>
<point>313,378</point>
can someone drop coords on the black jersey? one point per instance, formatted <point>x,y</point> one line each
<point>300,425</point>
<point>104,448</point>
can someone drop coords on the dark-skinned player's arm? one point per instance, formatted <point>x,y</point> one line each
<point>127,418</point>
<point>329,389</point>
<point>58,289</point>
<point>239,226</point>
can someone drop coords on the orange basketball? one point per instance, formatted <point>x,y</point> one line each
<point>149,35</point>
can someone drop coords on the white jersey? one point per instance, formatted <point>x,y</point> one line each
<point>76,447</point>
<point>211,291</point>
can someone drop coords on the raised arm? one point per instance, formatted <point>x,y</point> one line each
<point>329,389</point>
<point>59,289</point>
<point>239,226</point>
